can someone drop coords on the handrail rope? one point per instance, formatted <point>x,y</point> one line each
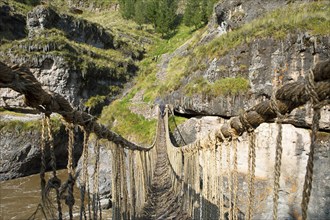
<point>20,79</point>
<point>310,90</point>
<point>84,174</point>
<point>55,181</point>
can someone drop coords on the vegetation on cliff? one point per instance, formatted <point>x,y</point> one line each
<point>176,63</point>
<point>278,24</point>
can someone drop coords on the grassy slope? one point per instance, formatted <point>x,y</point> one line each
<point>311,17</point>
<point>18,7</point>
<point>24,126</point>
<point>118,117</point>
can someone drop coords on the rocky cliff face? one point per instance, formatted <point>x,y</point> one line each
<point>266,62</point>
<point>79,30</point>
<point>20,146</point>
<point>64,66</point>
<point>104,175</point>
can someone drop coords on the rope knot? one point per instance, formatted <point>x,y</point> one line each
<point>54,182</point>
<point>69,200</point>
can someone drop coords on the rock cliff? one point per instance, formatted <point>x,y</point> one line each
<point>62,64</point>
<point>70,56</point>
<point>20,146</point>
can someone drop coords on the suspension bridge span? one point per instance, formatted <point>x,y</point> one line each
<point>162,181</point>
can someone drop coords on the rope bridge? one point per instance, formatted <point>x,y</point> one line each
<point>196,181</point>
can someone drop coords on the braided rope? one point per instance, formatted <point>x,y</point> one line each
<point>88,197</point>
<point>277,172</point>
<point>53,165</point>
<point>278,155</point>
<point>229,178</point>
<point>251,173</point>
<point>96,178</point>
<point>310,90</point>
<point>113,180</point>
<point>69,201</point>
<point>84,175</point>
<point>235,179</point>
<point>43,159</point>
<point>221,191</point>
<point>291,95</point>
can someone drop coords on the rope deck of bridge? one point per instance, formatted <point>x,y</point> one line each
<point>163,203</point>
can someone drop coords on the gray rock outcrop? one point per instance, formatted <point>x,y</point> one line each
<point>20,156</point>
<point>42,17</point>
<point>104,175</point>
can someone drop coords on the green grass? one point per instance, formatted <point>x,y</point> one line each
<point>99,4</point>
<point>163,46</point>
<point>120,119</point>
<point>25,126</point>
<point>147,79</point>
<point>174,121</point>
<point>127,34</point>
<point>308,17</point>
<point>221,87</point>
<point>20,126</point>
<point>79,55</point>
<point>94,101</point>
<point>19,8</point>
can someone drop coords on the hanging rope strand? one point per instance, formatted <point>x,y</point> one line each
<point>70,198</point>
<point>229,179</point>
<point>251,173</point>
<point>277,174</point>
<point>96,179</point>
<point>221,215</point>
<point>56,182</point>
<point>43,159</point>
<point>310,89</point>
<point>84,175</point>
<point>235,178</point>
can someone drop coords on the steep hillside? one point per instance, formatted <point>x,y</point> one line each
<point>242,56</point>
<point>85,60</point>
<point>73,52</point>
